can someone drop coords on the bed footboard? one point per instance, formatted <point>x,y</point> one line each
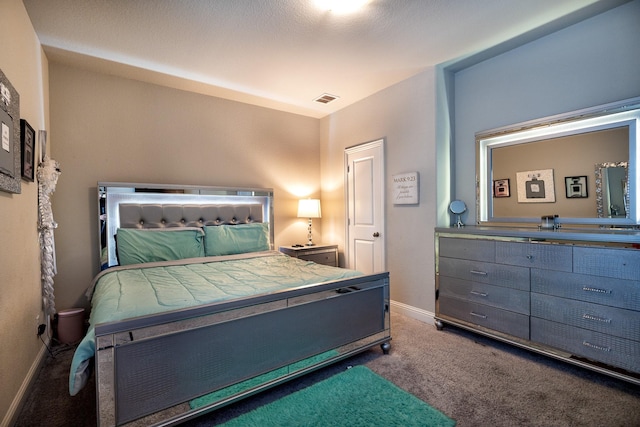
<point>149,368</point>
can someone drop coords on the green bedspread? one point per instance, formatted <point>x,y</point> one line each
<point>126,292</point>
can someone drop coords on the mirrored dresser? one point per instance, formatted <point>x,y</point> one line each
<point>571,294</point>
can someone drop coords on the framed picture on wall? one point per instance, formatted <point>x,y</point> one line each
<point>576,187</point>
<point>28,144</point>
<point>9,137</point>
<point>501,188</point>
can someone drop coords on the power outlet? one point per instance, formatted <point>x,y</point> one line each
<point>40,327</point>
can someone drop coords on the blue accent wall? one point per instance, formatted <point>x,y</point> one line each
<point>593,62</point>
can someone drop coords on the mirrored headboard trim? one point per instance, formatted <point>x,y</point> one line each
<point>623,113</point>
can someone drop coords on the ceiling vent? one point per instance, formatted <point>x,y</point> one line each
<point>325,98</point>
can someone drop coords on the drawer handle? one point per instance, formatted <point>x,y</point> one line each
<point>482,316</point>
<point>480,273</point>
<point>596,318</point>
<point>595,346</point>
<point>480,294</point>
<point>596,290</point>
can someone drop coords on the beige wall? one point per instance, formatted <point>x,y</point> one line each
<point>22,61</point>
<point>404,115</point>
<point>107,128</point>
<point>567,156</point>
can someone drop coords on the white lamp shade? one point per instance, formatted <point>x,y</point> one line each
<point>309,208</point>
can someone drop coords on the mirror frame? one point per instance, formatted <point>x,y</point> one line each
<point>619,114</point>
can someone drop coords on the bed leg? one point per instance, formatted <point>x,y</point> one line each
<point>385,346</point>
<point>439,325</point>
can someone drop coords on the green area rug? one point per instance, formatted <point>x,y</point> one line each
<point>260,379</point>
<point>356,397</point>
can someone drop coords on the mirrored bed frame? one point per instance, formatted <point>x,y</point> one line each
<point>149,368</point>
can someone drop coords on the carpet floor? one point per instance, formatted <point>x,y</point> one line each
<point>470,378</point>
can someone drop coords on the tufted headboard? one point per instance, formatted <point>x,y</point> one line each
<point>131,205</point>
<point>163,215</point>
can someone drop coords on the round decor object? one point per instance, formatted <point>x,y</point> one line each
<point>458,207</point>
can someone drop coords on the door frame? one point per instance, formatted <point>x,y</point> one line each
<point>350,150</point>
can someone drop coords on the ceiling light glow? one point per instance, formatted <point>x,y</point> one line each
<point>341,6</point>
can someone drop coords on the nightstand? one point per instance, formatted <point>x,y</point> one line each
<point>321,254</point>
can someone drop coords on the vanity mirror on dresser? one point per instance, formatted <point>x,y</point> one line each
<point>569,157</point>
<point>570,290</point>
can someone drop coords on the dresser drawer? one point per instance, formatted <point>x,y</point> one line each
<point>505,321</point>
<point>592,345</point>
<point>607,262</point>
<point>326,258</point>
<point>586,315</point>
<point>495,296</point>
<point>612,292</point>
<point>539,255</point>
<point>471,249</point>
<point>484,272</point>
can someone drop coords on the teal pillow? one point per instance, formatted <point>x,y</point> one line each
<point>236,239</point>
<point>135,245</point>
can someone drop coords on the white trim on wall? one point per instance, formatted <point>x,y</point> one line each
<point>413,312</point>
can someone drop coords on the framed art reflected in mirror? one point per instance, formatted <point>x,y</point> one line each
<point>576,187</point>
<point>501,188</point>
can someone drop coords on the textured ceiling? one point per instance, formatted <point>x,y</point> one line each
<point>284,53</point>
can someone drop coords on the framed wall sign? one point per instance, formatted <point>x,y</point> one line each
<point>10,133</point>
<point>7,149</point>
<point>405,189</point>
<point>28,145</point>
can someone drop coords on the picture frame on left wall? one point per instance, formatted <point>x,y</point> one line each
<point>10,134</point>
<point>28,145</point>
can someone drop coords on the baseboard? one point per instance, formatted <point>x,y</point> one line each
<point>11,417</point>
<point>413,312</point>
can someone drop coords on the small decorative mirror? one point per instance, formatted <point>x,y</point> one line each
<point>612,195</point>
<point>458,207</point>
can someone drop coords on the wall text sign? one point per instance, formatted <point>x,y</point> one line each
<point>405,189</point>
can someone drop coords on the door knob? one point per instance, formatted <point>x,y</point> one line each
<point>376,234</point>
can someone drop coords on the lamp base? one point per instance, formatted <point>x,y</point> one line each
<point>309,238</point>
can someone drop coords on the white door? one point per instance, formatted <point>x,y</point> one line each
<point>365,207</point>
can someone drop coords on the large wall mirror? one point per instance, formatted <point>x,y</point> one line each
<point>580,166</point>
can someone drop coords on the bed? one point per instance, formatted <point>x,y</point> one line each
<point>193,309</point>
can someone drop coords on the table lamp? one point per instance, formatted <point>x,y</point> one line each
<point>309,208</point>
